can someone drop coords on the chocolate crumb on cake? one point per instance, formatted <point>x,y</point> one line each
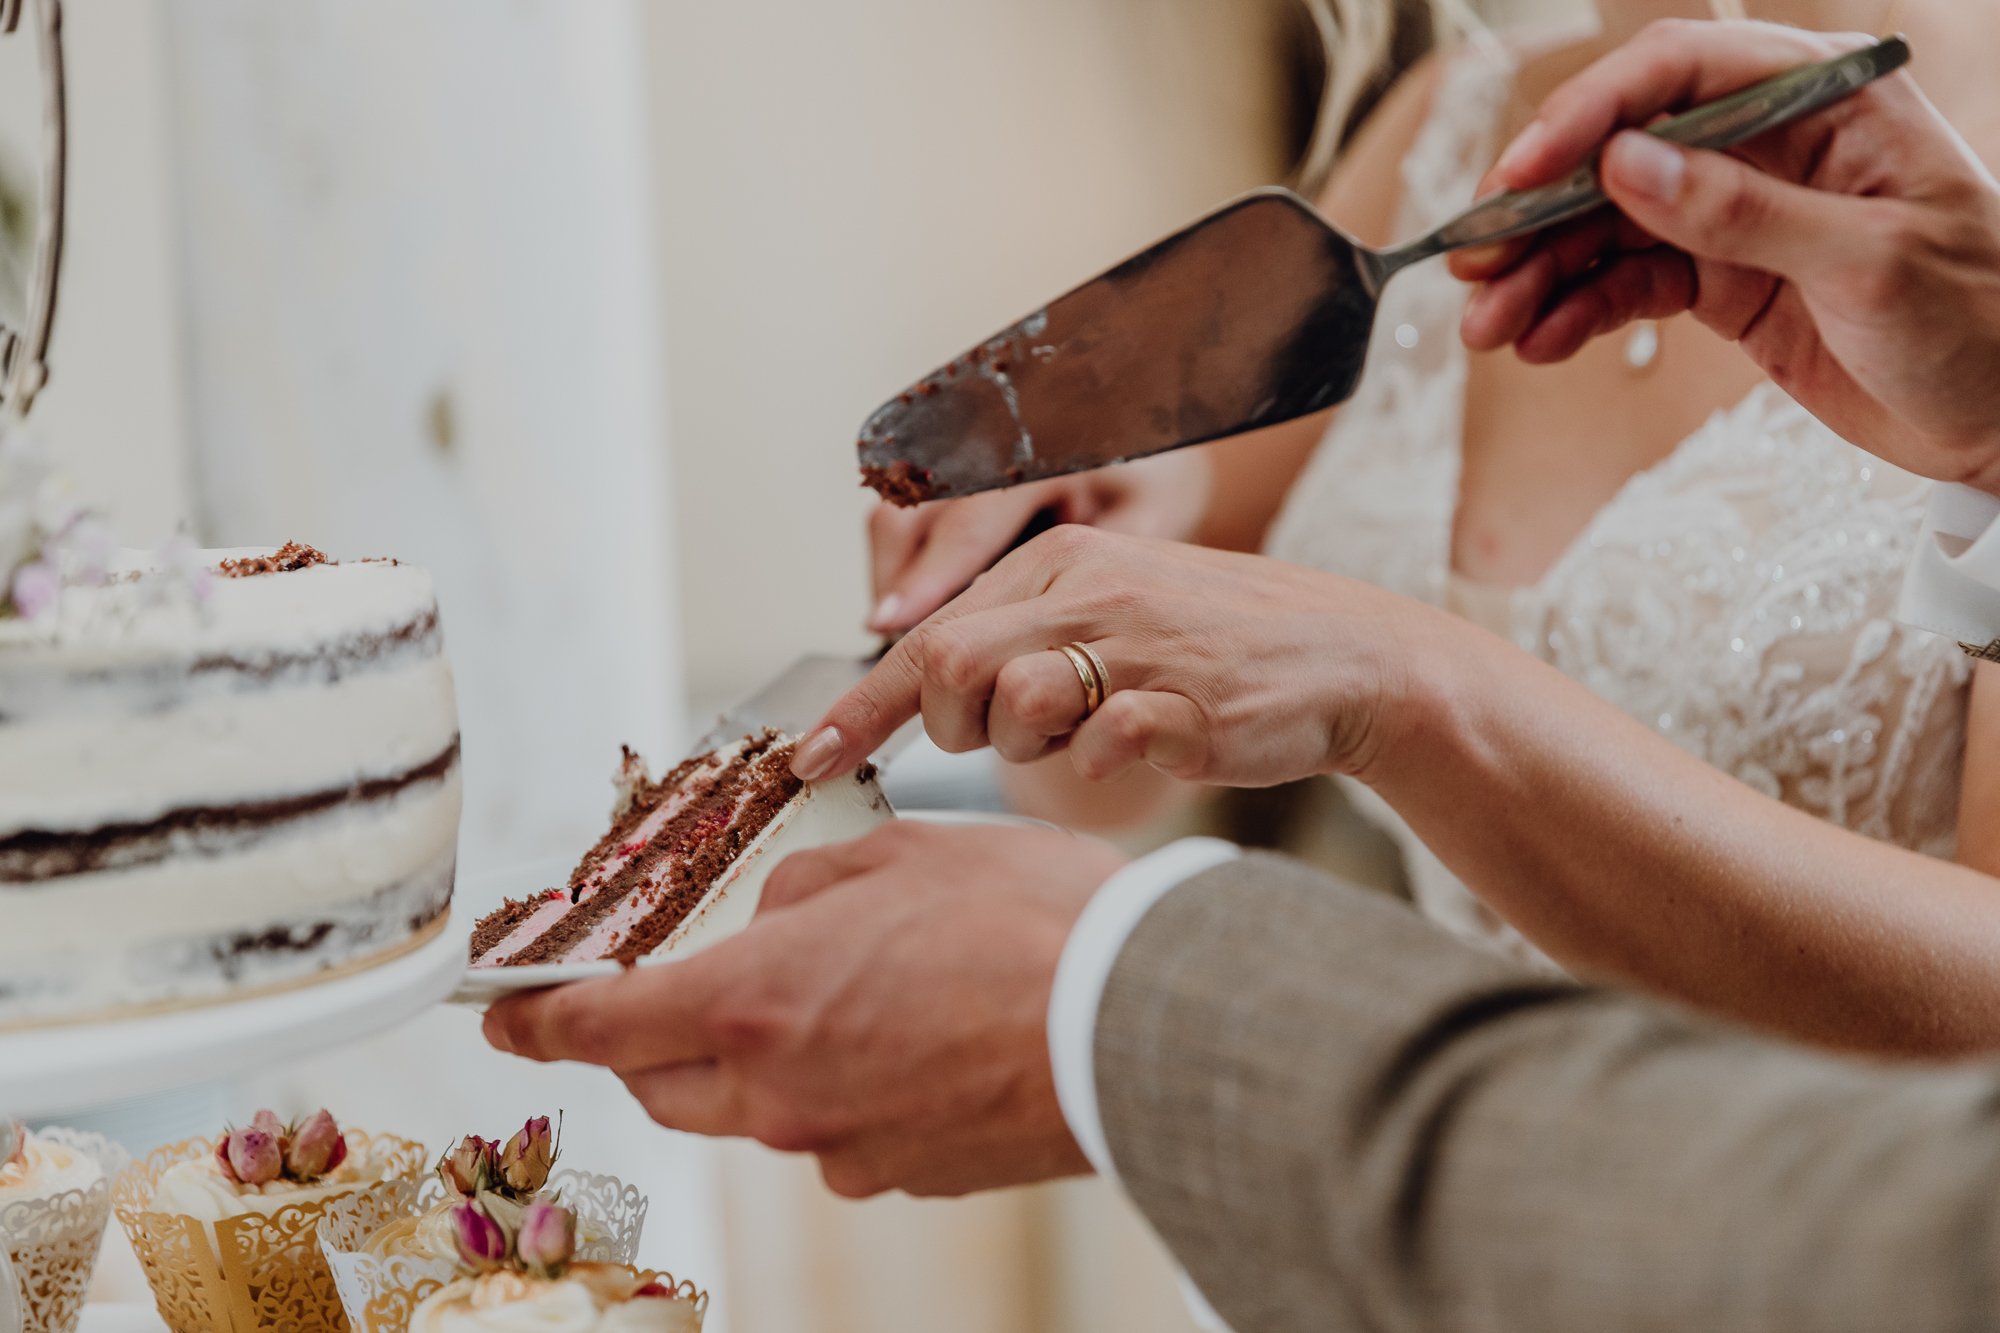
<point>686,853</point>
<point>290,556</point>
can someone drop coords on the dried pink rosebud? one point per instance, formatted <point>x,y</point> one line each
<point>316,1147</point>
<point>267,1122</point>
<point>37,588</point>
<point>254,1157</point>
<point>547,1239</point>
<point>482,1241</point>
<point>222,1158</point>
<point>468,1168</point>
<point>525,1161</point>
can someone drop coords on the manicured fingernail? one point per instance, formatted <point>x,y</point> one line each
<point>1647,164</point>
<point>1526,144</point>
<point>817,754</point>
<point>885,613</point>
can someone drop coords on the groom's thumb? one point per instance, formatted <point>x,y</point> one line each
<point>1716,207</point>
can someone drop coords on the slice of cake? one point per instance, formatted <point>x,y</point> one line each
<point>685,859</point>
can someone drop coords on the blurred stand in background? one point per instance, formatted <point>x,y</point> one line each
<point>580,306</point>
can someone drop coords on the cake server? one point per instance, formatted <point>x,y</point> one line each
<point>1256,314</point>
<point>799,696</point>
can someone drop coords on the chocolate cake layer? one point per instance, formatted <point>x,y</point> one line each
<point>36,856</point>
<point>667,876</point>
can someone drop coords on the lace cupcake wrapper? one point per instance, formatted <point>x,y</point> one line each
<point>52,1242</point>
<point>259,1273</point>
<point>380,1291</point>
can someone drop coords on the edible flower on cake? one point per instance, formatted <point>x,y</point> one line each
<point>520,1276</point>
<point>504,1177</point>
<point>265,1167</point>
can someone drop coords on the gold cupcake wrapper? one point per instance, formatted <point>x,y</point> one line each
<point>262,1274</point>
<point>380,1291</point>
<point>53,1241</point>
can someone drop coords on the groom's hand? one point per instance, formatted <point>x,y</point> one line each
<point>1855,255</point>
<point>887,1012</point>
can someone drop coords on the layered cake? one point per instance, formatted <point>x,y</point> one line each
<point>685,859</point>
<point>235,774</point>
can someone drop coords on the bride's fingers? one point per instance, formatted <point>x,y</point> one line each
<point>1498,313</point>
<point>1166,731</point>
<point>961,660</point>
<point>1037,697</point>
<point>1656,284</point>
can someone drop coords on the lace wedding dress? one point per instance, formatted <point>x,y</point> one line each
<point>1736,595</point>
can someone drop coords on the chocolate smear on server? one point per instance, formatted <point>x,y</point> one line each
<point>728,808</point>
<point>902,483</point>
<point>291,556</point>
<point>35,855</point>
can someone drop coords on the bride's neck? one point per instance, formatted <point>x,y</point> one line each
<point>1622,18</point>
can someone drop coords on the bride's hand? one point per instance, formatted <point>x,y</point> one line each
<point>921,558</point>
<point>1854,255</point>
<point>1224,668</point>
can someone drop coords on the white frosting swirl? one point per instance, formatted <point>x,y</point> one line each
<point>46,1168</point>
<point>197,1188</point>
<point>588,1299</point>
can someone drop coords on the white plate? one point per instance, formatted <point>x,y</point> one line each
<point>481,894</point>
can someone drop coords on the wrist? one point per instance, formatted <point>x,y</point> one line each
<point>1430,713</point>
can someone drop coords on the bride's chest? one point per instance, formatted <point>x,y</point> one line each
<point>1542,450</point>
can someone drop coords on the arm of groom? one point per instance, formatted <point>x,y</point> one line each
<point>1333,1114</point>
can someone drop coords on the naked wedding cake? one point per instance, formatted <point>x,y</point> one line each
<point>685,859</point>
<point>219,784</point>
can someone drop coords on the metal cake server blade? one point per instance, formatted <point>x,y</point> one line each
<point>799,696</point>
<point>1256,314</point>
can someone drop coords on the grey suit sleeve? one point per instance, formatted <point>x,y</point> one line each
<point>1338,1118</point>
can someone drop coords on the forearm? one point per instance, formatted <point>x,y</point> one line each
<point>1337,1117</point>
<point>1625,857</point>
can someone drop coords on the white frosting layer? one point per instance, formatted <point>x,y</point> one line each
<point>136,621</point>
<point>513,1303</point>
<point>225,749</point>
<point>325,686</point>
<point>45,1170</point>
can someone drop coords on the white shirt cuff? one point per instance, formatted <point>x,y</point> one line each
<point>1087,959</point>
<point>1953,587</point>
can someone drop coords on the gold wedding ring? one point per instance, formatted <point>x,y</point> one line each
<point>1090,670</point>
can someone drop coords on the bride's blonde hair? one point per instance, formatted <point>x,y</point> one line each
<point>1357,41</point>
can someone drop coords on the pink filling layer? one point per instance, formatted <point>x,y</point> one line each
<point>639,903</point>
<point>554,909</point>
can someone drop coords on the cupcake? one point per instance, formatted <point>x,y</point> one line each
<point>391,1249</point>
<point>55,1199</point>
<point>525,1279</point>
<point>227,1229</point>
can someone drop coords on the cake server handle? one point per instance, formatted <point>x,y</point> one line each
<point>1720,124</point>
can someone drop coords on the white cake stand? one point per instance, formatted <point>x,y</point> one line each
<point>76,1067</point>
